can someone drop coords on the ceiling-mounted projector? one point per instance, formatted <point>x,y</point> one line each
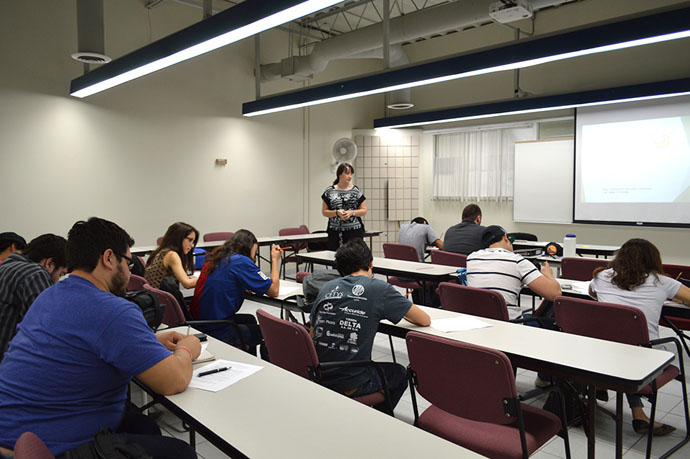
<point>510,11</point>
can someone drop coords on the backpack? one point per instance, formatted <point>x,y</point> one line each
<point>149,305</point>
<point>312,285</point>
<point>105,445</point>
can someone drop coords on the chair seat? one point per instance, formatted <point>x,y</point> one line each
<point>668,375</point>
<point>371,399</point>
<point>492,440</point>
<point>680,322</point>
<point>412,285</point>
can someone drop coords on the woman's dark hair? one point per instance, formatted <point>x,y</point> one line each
<point>352,256</point>
<point>173,240</point>
<point>240,243</point>
<point>341,168</point>
<point>87,240</point>
<point>635,260</point>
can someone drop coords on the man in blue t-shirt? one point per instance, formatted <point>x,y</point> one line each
<point>66,372</point>
<point>345,319</point>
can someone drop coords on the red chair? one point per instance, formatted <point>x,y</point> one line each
<point>29,446</point>
<point>219,236</point>
<point>580,269</point>
<point>474,301</point>
<point>159,240</point>
<point>441,257</point>
<point>628,325</point>
<point>403,252</point>
<point>136,282</point>
<point>291,348</point>
<point>289,255</point>
<point>677,271</point>
<point>474,400</point>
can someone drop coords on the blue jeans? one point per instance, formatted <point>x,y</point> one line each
<point>396,378</point>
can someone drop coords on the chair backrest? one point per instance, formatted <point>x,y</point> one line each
<point>579,268</point>
<point>159,240</point>
<point>29,446</point>
<point>475,301</point>
<point>397,251</point>
<point>441,257</point>
<point>676,271</point>
<point>173,315</point>
<point>524,236</point>
<point>612,322</point>
<point>219,236</point>
<point>293,232</point>
<point>289,345</point>
<point>136,282</point>
<point>300,275</point>
<point>463,379</point>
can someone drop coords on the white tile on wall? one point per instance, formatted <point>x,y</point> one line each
<point>375,152</point>
<point>414,140</point>
<point>359,140</point>
<point>407,172</point>
<point>376,140</point>
<point>414,152</point>
<point>367,140</point>
<point>367,161</point>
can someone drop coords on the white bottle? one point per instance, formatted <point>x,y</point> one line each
<point>569,245</point>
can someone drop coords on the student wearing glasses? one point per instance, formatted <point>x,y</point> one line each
<point>344,205</point>
<point>173,257</point>
<point>67,371</point>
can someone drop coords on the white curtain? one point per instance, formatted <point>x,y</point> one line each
<point>477,165</point>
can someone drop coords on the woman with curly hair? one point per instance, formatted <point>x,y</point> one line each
<point>635,277</point>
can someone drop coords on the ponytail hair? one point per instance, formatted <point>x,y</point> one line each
<point>342,168</point>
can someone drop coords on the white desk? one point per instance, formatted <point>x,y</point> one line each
<point>390,267</point>
<point>597,363</point>
<point>272,412</point>
<point>585,249</point>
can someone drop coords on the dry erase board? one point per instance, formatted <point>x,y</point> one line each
<point>543,182</point>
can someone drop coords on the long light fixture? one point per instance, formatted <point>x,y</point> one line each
<point>656,28</point>
<point>655,90</point>
<point>241,21</point>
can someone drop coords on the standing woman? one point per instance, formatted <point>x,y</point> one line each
<point>636,278</point>
<point>173,257</point>
<point>344,205</point>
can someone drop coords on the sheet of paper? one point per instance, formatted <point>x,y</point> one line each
<point>460,323</point>
<point>287,290</point>
<point>217,381</point>
<point>205,355</point>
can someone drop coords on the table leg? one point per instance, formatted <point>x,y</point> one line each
<point>619,425</point>
<point>591,419</point>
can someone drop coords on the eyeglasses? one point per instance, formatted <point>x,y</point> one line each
<point>130,261</point>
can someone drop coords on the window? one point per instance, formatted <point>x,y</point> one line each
<point>477,165</point>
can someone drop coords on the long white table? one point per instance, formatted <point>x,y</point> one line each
<point>274,413</point>
<point>410,269</point>
<point>582,249</point>
<point>596,363</point>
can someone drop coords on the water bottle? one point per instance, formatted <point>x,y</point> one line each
<point>569,245</point>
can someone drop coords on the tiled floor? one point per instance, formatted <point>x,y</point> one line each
<point>669,411</point>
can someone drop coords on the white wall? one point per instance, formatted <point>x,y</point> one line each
<point>142,154</point>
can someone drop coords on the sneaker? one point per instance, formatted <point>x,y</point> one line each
<point>542,383</point>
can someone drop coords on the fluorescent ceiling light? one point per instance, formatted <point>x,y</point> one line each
<point>656,28</point>
<point>241,21</point>
<point>656,90</point>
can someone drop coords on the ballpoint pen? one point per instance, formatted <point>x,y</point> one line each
<point>215,370</point>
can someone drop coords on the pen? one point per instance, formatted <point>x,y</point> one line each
<point>188,327</point>
<point>210,372</point>
<point>679,274</point>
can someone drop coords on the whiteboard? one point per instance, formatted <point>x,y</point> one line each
<point>543,181</point>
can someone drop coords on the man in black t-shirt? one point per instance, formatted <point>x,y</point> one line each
<point>345,319</point>
<point>466,237</point>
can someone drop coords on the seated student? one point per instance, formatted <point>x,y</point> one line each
<point>466,237</point>
<point>636,278</point>
<point>67,371</point>
<point>23,276</point>
<point>173,257</point>
<point>345,319</point>
<point>497,268</point>
<point>228,273</point>
<point>419,234</point>
<point>9,243</point>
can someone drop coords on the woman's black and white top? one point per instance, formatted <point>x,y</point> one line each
<point>337,199</point>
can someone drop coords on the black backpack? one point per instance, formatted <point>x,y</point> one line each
<point>149,305</point>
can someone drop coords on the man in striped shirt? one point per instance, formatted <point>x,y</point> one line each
<point>497,268</point>
<point>23,276</point>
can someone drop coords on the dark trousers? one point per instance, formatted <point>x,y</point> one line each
<point>396,378</point>
<point>334,237</point>
<point>248,329</point>
<point>142,430</point>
